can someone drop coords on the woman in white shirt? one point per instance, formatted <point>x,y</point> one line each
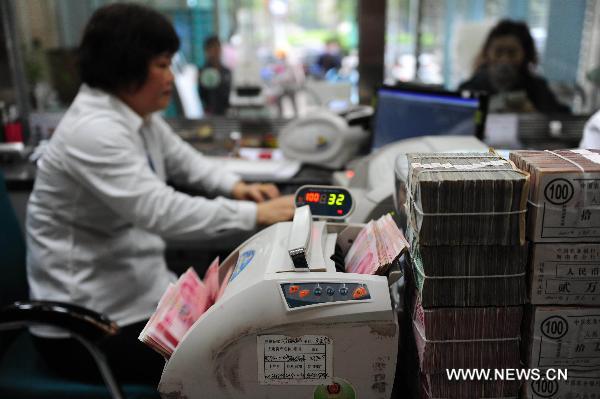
<point>100,207</point>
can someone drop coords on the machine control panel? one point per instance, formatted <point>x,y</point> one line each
<point>304,294</point>
<point>325,201</point>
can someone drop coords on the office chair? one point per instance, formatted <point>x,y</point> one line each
<point>22,372</point>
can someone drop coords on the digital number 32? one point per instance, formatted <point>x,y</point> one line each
<point>336,199</point>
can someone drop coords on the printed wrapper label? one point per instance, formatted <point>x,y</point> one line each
<point>566,338</point>
<point>575,387</point>
<point>565,208</point>
<point>304,360</point>
<point>565,274</point>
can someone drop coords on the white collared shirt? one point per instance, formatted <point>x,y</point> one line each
<point>100,208</point>
<point>591,133</point>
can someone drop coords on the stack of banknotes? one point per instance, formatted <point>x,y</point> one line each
<point>180,306</point>
<point>467,338</point>
<point>468,253</point>
<point>564,199</point>
<point>469,275</point>
<point>466,198</point>
<point>376,247</point>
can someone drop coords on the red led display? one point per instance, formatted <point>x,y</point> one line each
<point>312,197</point>
<point>325,201</point>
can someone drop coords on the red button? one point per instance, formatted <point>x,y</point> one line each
<point>304,293</point>
<point>339,211</point>
<point>294,289</point>
<point>359,292</point>
<point>334,388</point>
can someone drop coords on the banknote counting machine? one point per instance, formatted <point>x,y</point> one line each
<point>288,324</point>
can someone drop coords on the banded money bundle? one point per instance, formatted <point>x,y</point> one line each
<point>466,198</point>
<point>468,261</point>
<point>446,324</point>
<point>438,356</point>
<point>470,275</point>
<point>563,337</point>
<point>564,200</point>
<point>466,338</point>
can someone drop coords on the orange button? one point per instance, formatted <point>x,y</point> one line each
<point>294,288</point>
<point>304,293</point>
<point>359,292</point>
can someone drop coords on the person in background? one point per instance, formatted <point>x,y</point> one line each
<point>505,70</point>
<point>214,79</point>
<point>288,79</point>
<point>100,208</point>
<point>331,59</point>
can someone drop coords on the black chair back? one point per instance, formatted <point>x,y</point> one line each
<point>13,275</point>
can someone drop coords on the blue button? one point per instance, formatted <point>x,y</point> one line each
<point>344,291</point>
<point>318,291</point>
<point>330,291</point>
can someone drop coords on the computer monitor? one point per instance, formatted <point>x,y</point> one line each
<point>405,112</point>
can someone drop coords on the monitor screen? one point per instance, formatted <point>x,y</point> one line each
<point>404,113</point>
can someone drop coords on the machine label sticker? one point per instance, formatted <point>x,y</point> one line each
<point>243,261</point>
<point>304,360</point>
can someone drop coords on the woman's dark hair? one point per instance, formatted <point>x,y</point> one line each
<point>211,41</point>
<point>520,30</point>
<point>118,43</point>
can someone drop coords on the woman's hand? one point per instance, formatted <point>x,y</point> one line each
<point>277,210</point>
<point>254,192</point>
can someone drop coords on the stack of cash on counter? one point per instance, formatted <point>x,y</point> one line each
<point>468,253</point>
<point>562,326</point>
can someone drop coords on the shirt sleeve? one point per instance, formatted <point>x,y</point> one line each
<point>105,159</point>
<point>187,166</point>
<point>591,133</point>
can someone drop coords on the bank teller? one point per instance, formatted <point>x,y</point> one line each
<point>505,69</point>
<point>100,207</point>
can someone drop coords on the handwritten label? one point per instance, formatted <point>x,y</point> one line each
<point>304,360</point>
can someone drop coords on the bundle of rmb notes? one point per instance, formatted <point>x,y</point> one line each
<point>466,198</point>
<point>467,337</point>
<point>180,306</point>
<point>468,259</point>
<point>469,275</point>
<point>376,247</point>
<point>466,230</point>
<point>564,201</point>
